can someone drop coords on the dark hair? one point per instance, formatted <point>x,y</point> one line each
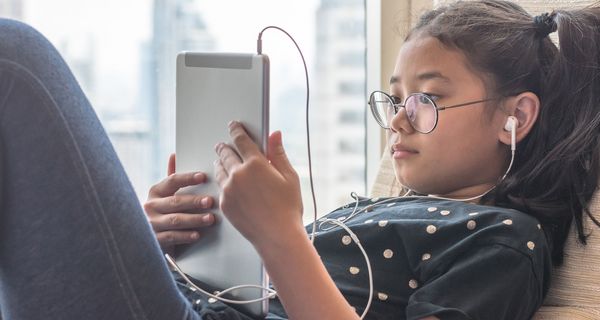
<point>556,167</point>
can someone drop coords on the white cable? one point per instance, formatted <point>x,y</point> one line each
<point>368,262</point>
<point>272,293</point>
<point>512,158</point>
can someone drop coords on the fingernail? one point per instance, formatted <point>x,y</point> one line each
<point>207,218</point>
<point>231,123</point>
<point>194,235</point>
<point>199,176</point>
<point>216,162</point>
<point>204,202</point>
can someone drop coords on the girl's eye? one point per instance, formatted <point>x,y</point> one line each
<point>432,96</point>
<point>424,98</point>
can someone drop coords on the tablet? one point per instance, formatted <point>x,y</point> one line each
<point>211,90</point>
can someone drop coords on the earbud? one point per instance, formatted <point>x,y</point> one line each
<point>511,125</point>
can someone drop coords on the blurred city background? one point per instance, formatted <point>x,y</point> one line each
<point>123,55</point>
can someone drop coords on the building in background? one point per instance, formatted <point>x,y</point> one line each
<point>138,108</point>
<point>178,26</point>
<point>339,102</point>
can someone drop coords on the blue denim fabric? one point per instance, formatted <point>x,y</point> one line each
<point>74,241</point>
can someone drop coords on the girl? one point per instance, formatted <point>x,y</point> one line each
<point>467,75</point>
<point>471,80</point>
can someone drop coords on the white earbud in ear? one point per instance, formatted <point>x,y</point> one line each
<point>511,125</point>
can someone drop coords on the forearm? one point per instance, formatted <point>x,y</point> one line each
<point>302,282</point>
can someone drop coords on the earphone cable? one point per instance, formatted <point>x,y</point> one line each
<point>310,173</point>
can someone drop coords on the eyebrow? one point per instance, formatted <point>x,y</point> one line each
<point>424,76</point>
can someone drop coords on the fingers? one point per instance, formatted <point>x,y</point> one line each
<point>168,239</point>
<point>228,158</point>
<point>171,167</point>
<point>276,154</point>
<point>176,181</point>
<point>178,203</point>
<point>220,173</point>
<point>242,141</point>
<point>181,221</point>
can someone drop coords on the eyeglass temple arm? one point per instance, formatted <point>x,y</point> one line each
<point>463,104</point>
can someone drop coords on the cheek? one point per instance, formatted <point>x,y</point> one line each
<point>449,158</point>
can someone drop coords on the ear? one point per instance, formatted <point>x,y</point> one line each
<point>525,107</point>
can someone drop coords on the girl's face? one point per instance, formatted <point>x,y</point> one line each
<point>462,157</point>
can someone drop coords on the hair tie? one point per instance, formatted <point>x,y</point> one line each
<point>544,24</point>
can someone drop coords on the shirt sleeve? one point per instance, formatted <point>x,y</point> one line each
<point>487,282</point>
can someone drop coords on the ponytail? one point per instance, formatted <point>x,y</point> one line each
<point>557,184</point>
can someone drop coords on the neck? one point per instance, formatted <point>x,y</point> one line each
<point>471,194</point>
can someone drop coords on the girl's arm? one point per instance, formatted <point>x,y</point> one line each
<point>261,197</point>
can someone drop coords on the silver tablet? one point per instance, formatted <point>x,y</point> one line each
<point>213,89</point>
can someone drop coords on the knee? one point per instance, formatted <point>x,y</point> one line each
<point>23,45</point>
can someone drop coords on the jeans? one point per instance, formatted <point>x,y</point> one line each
<point>74,241</point>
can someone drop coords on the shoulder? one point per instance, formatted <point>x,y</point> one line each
<point>484,225</point>
<point>463,232</point>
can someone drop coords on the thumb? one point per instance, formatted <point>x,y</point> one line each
<point>276,154</point>
<point>171,167</point>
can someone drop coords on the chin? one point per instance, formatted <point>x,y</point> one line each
<point>412,183</point>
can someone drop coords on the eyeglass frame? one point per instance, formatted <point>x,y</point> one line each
<point>397,107</point>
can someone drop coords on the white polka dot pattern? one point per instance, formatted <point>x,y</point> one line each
<point>383,223</point>
<point>382,296</point>
<point>507,222</point>
<point>444,212</point>
<point>426,256</point>
<point>431,229</point>
<point>388,253</point>
<point>530,245</point>
<point>354,270</point>
<point>471,224</point>
<point>413,284</point>
<point>431,209</point>
<point>346,240</point>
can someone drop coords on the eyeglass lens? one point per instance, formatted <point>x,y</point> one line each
<point>420,110</point>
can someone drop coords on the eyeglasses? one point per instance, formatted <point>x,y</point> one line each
<point>421,110</point>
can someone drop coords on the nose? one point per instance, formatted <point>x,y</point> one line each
<point>400,122</point>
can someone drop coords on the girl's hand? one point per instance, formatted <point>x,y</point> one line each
<point>177,219</point>
<point>260,195</point>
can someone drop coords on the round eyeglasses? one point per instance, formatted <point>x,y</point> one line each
<point>421,110</point>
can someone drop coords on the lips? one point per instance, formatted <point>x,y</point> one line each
<point>400,151</point>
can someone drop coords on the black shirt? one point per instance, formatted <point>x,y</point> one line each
<point>429,257</point>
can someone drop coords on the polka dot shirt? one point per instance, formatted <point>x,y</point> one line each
<point>434,257</point>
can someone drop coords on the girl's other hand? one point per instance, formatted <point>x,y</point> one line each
<point>260,195</point>
<point>178,219</point>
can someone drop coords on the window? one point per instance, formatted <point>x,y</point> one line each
<point>352,59</point>
<point>351,117</point>
<point>123,54</point>
<point>351,87</point>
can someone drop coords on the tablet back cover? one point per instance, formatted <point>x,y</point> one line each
<point>213,89</point>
